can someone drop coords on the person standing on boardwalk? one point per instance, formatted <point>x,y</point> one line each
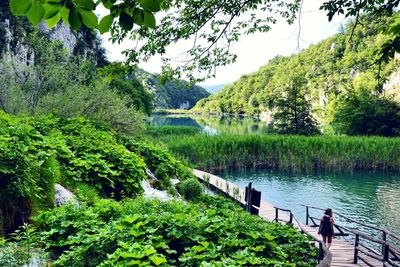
<point>326,227</point>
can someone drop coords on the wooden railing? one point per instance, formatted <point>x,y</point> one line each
<point>324,255</point>
<point>364,243</point>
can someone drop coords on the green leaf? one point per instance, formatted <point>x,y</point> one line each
<point>89,18</point>
<point>85,4</point>
<point>149,19</point>
<point>54,20</point>
<point>51,9</point>
<point>36,13</point>
<point>151,5</point>
<point>157,260</point>
<point>126,21</point>
<point>65,15</point>
<point>138,16</point>
<point>105,24</point>
<point>20,7</point>
<point>107,4</point>
<point>74,19</point>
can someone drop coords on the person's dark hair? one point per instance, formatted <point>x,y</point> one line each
<point>328,211</point>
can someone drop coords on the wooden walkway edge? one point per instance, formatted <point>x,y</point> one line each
<point>342,251</point>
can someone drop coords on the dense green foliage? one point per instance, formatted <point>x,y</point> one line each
<point>291,153</point>
<point>293,110</point>
<point>362,113</point>
<point>213,232</point>
<point>329,70</point>
<point>38,152</point>
<point>191,189</point>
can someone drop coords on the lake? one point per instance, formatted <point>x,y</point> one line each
<point>369,198</point>
<point>214,124</point>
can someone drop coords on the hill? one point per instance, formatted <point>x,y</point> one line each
<point>323,72</point>
<point>172,94</point>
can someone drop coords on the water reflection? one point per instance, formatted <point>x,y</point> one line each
<point>369,198</point>
<point>214,124</point>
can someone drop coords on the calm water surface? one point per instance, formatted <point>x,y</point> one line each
<point>214,124</point>
<point>369,198</point>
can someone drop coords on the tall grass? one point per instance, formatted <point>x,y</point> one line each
<point>293,153</point>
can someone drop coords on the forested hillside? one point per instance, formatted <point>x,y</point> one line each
<point>318,78</point>
<point>171,94</point>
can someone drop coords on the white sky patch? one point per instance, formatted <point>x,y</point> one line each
<point>254,50</point>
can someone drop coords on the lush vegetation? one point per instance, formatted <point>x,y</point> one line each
<point>315,80</point>
<point>38,152</point>
<point>290,153</point>
<point>211,232</point>
<point>160,131</point>
<point>359,112</point>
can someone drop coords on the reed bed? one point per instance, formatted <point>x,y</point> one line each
<point>290,153</point>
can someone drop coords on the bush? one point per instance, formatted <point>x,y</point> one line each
<point>147,233</point>
<point>28,171</point>
<point>362,113</point>
<point>191,189</point>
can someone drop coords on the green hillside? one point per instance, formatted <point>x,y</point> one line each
<point>322,74</point>
<point>172,94</point>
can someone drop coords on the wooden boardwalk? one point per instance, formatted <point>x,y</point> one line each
<point>342,250</point>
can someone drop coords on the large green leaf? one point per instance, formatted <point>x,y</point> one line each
<point>36,13</point>
<point>85,4</point>
<point>125,21</point>
<point>51,10</point>
<point>74,19</point>
<point>157,260</point>
<point>151,5</point>
<point>54,20</point>
<point>20,7</point>
<point>107,4</point>
<point>138,15</point>
<point>149,19</point>
<point>89,18</point>
<point>65,15</point>
<point>105,24</point>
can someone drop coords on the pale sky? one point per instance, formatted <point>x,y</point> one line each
<point>255,50</point>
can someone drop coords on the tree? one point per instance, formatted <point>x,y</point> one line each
<point>363,113</point>
<point>293,110</point>
<point>213,25</point>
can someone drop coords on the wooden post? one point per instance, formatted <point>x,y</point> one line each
<point>248,200</point>
<point>385,253</point>
<point>384,239</point>
<point>307,215</point>
<point>276,214</point>
<point>291,218</point>
<point>356,249</point>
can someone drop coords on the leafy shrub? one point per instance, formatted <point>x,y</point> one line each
<point>191,189</point>
<point>37,152</point>
<point>142,232</point>
<point>363,113</point>
<point>158,160</point>
<point>20,250</point>
<point>86,194</point>
<point>28,172</point>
